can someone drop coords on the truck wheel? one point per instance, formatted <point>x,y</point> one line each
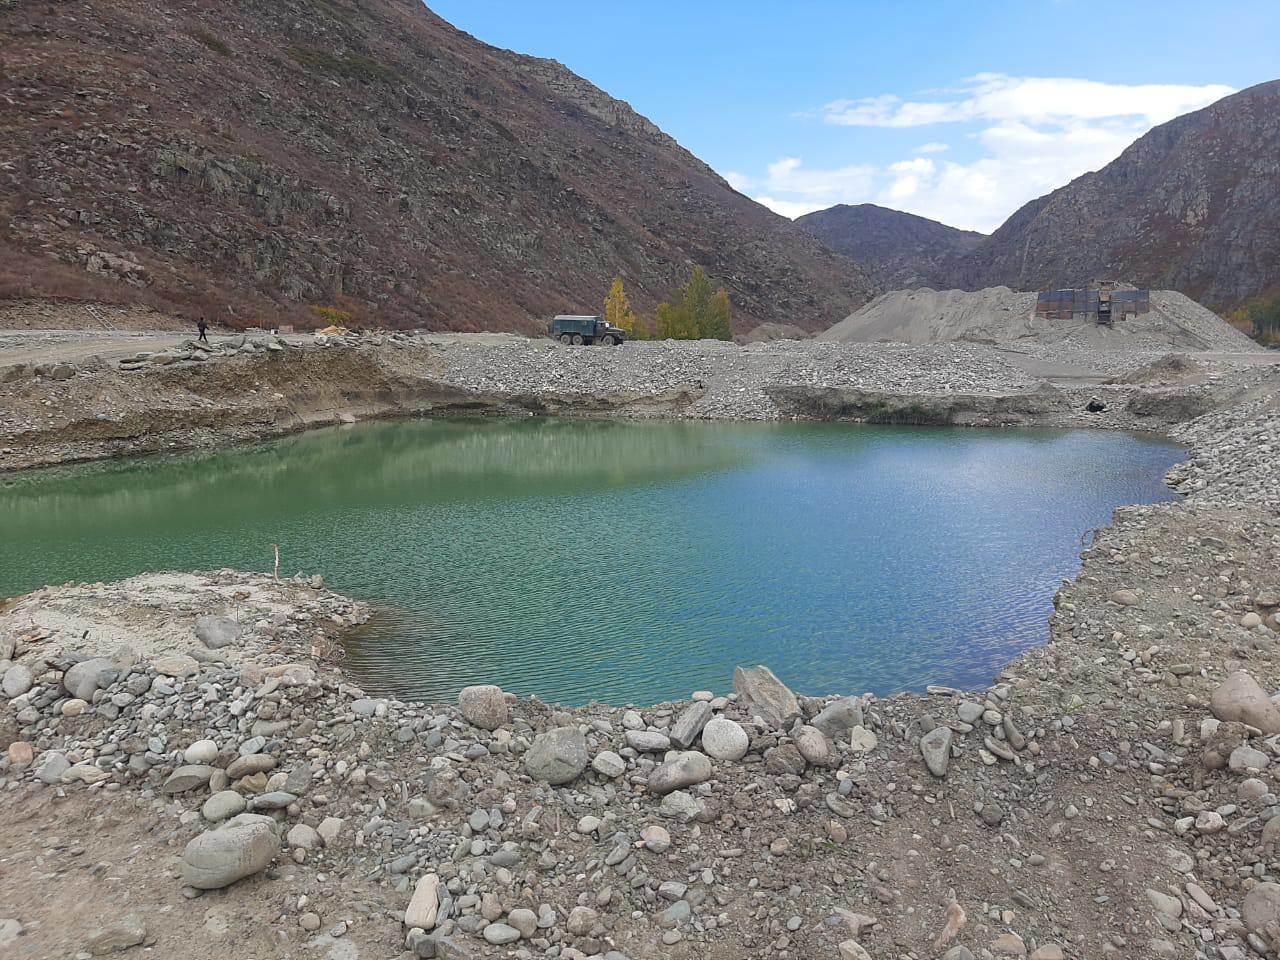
<point>565,338</point>
<point>608,340</point>
<point>577,339</point>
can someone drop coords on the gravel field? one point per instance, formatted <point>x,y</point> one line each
<point>186,769</point>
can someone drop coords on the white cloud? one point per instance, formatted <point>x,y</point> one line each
<point>789,188</point>
<point>792,208</point>
<point>908,178</point>
<point>995,96</point>
<point>1026,135</point>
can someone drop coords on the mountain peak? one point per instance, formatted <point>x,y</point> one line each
<point>898,249</point>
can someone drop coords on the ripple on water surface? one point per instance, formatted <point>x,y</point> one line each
<point>624,562</point>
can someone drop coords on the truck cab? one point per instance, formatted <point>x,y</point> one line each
<point>579,330</point>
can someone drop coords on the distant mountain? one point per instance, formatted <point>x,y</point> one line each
<point>266,158</point>
<point>1194,206</point>
<point>898,249</point>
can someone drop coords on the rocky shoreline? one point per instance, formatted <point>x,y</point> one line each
<point>255,387</point>
<point>1113,793</point>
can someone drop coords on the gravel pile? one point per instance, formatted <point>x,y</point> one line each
<point>1000,315</point>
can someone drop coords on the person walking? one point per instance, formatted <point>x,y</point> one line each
<point>203,328</point>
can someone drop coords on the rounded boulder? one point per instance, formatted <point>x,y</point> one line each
<point>725,739</point>
<point>244,845</point>
<point>483,706</point>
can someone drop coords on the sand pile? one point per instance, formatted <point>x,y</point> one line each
<point>1001,315</point>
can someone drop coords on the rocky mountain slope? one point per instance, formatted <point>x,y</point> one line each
<point>1193,205</point>
<point>250,162</point>
<point>898,249</point>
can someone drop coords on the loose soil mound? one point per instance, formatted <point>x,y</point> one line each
<point>1001,315</point>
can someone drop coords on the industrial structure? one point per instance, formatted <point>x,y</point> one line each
<point>1103,304</point>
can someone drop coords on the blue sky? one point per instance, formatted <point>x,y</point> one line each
<point>959,111</point>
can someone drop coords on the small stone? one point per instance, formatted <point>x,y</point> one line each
<point>656,839</point>
<point>17,681</point>
<point>329,829</point>
<point>764,695</point>
<point>118,936</point>
<point>241,847</point>
<point>1165,904</point>
<point>581,920</point>
<point>51,766</point>
<point>1244,758</point>
<point>188,777</point>
<point>1009,945</point>
<point>724,739</point>
<point>309,922</point>
<point>685,731</point>
<point>500,933</point>
<point>1210,822</point>
<point>862,740</point>
<point>222,805</point>
<point>684,770</point>
<point>483,706</point>
<point>608,764</point>
<point>20,753</point>
<point>558,756</point>
<point>681,806</point>
<point>852,950</point>
<point>815,747</point>
<point>84,678</point>
<point>840,717</point>
<point>248,766</point>
<point>648,741</point>
<point>935,746</point>
<point>1239,697</point>
<point>178,666</point>
<point>425,903</point>
<point>304,837</point>
<point>1261,908</point>
<point>525,922</point>
<point>217,632</point>
<point>202,751</point>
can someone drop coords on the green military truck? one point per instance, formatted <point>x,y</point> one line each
<point>579,330</point>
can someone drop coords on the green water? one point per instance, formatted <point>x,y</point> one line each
<point>625,562</point>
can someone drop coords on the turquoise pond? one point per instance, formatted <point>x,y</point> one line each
<point>623,562</point>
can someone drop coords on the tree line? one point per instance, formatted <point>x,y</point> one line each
<point>692,312</point>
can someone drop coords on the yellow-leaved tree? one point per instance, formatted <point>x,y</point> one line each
<point>617,311</point>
